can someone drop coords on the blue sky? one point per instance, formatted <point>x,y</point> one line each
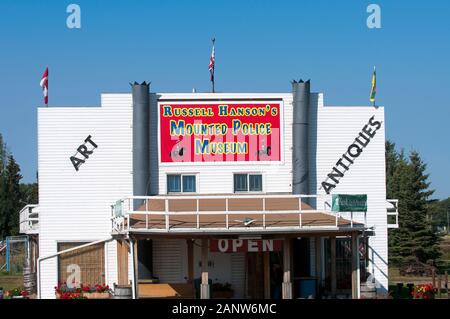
<point>261,46</point>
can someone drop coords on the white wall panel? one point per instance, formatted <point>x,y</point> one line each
<point>337,127</point>
<point>75,206</point>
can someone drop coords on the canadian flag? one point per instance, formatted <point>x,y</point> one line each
<point>44,86</point>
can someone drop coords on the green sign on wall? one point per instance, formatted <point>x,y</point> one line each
<point>349,203</point>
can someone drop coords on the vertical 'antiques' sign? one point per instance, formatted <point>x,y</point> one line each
<point>353,152</point>
<point>83,152</point>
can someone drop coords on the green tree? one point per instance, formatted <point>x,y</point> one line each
<point>440,214</point>
<point>407,181</point>
<point>13,195</point>
<point>13,202</point>
<point>3,195</point>
<point>29,193</point>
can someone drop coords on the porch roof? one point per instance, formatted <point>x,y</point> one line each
<point>231,214</point>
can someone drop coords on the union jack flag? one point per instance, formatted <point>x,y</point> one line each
<point>212,63</point>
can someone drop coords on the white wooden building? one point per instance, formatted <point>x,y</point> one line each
<point>201,224</point>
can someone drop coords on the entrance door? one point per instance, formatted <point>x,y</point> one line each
<point>255,275</point>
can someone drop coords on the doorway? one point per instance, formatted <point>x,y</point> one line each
<point>264,275</point>
<point>255,275</point>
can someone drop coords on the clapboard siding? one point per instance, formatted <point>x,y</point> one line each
<point>75,206</point>
<point>169,260</point>
<point>337,127</point>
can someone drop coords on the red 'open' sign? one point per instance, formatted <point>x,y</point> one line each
<point>245,245</point>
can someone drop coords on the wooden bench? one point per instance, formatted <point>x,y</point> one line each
<point>164,290</point>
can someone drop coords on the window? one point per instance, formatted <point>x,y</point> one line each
<point>247,183</point>
<point>181,183</point>
<point>90,261</point>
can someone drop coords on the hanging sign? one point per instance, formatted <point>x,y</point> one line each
<point>245,245</point>
<point>216,132</point>
<point>349,203</point>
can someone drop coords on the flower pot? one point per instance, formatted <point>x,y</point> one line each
<point>96,295</point>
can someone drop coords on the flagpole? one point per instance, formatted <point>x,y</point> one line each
<point>214,66</point>
<point>373,90</point>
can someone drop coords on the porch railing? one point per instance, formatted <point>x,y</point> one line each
<point>29,219</point>
<point>138,213</point>
<point>392,213</point>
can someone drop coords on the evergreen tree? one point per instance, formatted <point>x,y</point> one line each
<point>3,154</point>
<point>400,240</point>
<point>441,214</point>
<point>3,195</point>
<point>407,181</point>
<point>13,195</point>
<point>426,242</point>
<point>13,202</point>
<point>29,193</point>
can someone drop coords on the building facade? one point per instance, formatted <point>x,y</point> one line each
<point>195,194</point>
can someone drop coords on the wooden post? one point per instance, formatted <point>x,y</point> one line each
<point>433,276</point>
<point>122,262</point>
<point>333,266</point>
<point>266,275</point>
<point>355,266</point>
<point>190,257</point>
<point>204,287</point>
<point>287,284</point>
<point>318,244</point>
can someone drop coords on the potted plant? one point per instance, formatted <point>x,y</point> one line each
<point>423,291</point>
<point>17,293</point>
<point>83,292</point>
<point>96,292</point>
<point>222,291</point>
<point>62,291</point>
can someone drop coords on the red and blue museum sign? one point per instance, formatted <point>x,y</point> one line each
<point>204,132</point>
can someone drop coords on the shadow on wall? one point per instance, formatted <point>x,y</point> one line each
<point>313,110</point>
<point>154,151</point>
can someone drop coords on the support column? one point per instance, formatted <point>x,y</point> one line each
<point>318,245</point>
<point>266,275</point>
<point>122,263</point>
<point>133,249</point>
<point>333,265</point>
<point>287,284</point>
<point>355,267</point>
<point>190,255</point>
<point>204,286</point>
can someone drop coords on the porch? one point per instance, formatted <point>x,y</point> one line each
<point>277,267</point>
<point>253,245</point>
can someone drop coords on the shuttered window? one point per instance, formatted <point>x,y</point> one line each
<point>89,260</point>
